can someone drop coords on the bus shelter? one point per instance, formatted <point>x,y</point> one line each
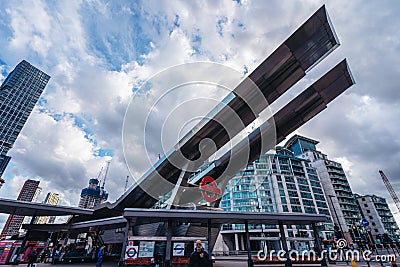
<point>180,226</point>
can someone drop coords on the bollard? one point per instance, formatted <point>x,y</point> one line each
<point>393,263</point>
<point>353,263</point>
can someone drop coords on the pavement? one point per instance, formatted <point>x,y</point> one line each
<point>218,263</point>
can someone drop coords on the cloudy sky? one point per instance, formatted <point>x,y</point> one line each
<point>98,53</point>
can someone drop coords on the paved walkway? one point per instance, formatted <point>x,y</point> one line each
<point>221,263</point>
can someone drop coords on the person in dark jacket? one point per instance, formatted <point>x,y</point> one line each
<point>32,258</point>
<point>100,256</point>
<point>199,257</point>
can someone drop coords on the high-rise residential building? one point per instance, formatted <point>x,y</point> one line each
<point>51,199</point>
<point>377,212</point>
<point>340,198</point>
<point>92,195</point>
<point>36,195</point>
<point>18,95</point>
<point>14,222</point>
<point>27,219</point>
<point>277,182</point>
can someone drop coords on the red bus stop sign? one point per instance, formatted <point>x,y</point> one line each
<point>209,189</point>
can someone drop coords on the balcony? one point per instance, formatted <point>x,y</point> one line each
<point>379,200</point>
<point>344,189</point>
<point>296,163</point>
<point>347,202</point>
<point>339,182</point>
<point>344,195</point>
<point>330,163</point>
<point>347,208</point>
<point>332,171</point>
<point>297,169</point>
<point>341,177</point>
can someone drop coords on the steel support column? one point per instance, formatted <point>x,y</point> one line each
<point>126,235</point>
<point>318,244</point>
<point>28,232</point>
<point>168,248</point>
<point>288,262</point>
<point>209,241</point>
<point>250,262</point>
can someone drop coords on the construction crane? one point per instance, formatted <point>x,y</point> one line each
<point>105,174</point>
<point>390,189</point>
<point>101,170</point>
<point>126,183</point>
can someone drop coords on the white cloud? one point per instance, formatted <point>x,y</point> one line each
<point>98,52</point>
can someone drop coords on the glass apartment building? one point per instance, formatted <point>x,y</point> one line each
<point>18,95</point>
<point>277,182</point>
<point>340,197</point>
<point>377,212</point>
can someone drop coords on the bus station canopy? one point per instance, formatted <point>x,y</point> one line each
<point>17,207</point>
<point>144,216</point>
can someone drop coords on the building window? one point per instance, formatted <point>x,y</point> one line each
<point>295,201</point>
<point>370,217</point>
<point>293,194</point>
<point>296,209</point>
<point>376,230</point>
<point>285,208</point>
<point>368,211</point>
<point>291,186</point>
<point>289,179</point>
<point>365,205</point>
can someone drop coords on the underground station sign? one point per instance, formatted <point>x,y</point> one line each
<point>209,189</point>
<point>131,252</point>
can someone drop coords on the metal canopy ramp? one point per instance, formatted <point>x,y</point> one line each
<point>300,110</point>
<point>308,45</point>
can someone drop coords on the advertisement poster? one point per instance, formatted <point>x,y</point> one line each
<point>146,249</point>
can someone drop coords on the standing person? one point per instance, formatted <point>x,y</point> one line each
<point>199,257</point>
<point>100,256</point>
<point>56,256</point>
<point>42,255</point>
<point>32,257</point>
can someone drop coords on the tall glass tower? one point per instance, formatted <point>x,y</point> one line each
<point>340,197</point>
<point>18,95</point>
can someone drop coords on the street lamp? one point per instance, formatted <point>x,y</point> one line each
<point>337,217</point>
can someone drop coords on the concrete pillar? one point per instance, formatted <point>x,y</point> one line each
<point>242,247</point>
<point>236,242</point>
